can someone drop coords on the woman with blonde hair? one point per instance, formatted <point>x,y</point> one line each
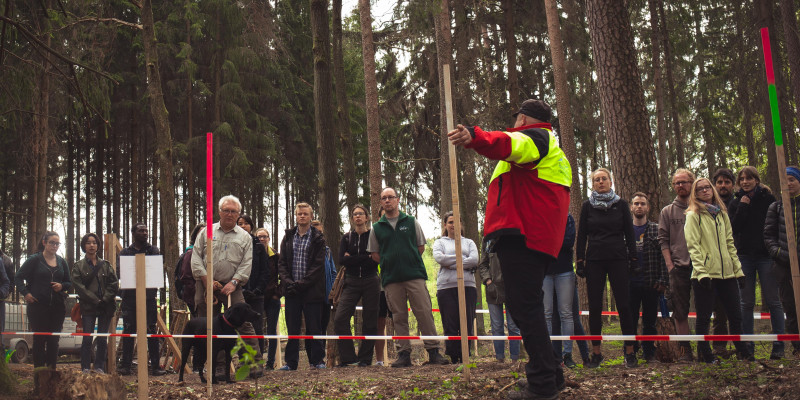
<point>716,271</point>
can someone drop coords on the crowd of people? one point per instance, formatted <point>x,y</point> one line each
<point>710,240</point>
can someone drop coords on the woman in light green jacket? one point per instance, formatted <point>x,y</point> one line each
<point>716,271</point>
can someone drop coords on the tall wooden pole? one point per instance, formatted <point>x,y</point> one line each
<point>141,326</point>
<point>462,306</point>
<point>209,258</point>
<point>787,205</point>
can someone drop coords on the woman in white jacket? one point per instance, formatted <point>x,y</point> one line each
<point>444,252</point>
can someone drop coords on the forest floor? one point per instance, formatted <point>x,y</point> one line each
<point>762,379</point>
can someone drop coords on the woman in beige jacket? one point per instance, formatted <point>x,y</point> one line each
<point>717,274</point>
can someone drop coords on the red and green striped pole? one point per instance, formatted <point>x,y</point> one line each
<point>776,128</point>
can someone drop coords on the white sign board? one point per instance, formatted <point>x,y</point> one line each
<point>154,272</point>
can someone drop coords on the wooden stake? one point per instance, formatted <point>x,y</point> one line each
<point>778,137</point>
<point>209,259</point>
<point>112,248</point>
<point>141,326</point>
<point>462,307</point>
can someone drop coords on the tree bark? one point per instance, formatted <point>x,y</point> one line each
<point>673,102</point>
<point>630,143</point>
<point>444,51</point>
<point>158,110</point>
<point>764,18</point>
<point>371,89</point>
<point>658,83</point>
<point>343,110</point>
<point>703,107</point>
<point>511,52</point>
<point>328,183</point>
<point>563,103</point>
<point>789,19</point>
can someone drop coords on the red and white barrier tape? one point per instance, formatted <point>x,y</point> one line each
<point>670,338</point>
<point>756,315</point>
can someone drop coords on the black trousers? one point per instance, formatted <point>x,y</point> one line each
<point>46,318</point>
<point>451,321</point>
<point>296,310</point>
<point>523,272</point>
<point>617,272</point>
<point>129,326</point>
<point>368,290</point>
<point>257,304</point>
<point>646,298</point>
<point>272,309</point>
<point>726,292</point>
<point>786,291</point>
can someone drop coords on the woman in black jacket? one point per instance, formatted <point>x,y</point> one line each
<point>44,281</point>
<point>748,212</point>
<point>272,296</point>
<point>778,249</point>
<point>361,283</point>
<point>606,247</point>
<point>253,290</point>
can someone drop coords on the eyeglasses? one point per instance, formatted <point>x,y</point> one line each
<point>681,183</point>
<point>228,211</point>
<point>703,189</point>
<point>263,237</point>
<point>54,243</point>
<point>384,198</point>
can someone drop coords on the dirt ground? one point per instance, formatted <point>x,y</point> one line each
<point>732,379</point>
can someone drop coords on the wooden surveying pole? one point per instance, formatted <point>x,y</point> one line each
<point>112,248</point>
<point>209,259</point>
<point>787,205</point>
<point>141,326</point>
<point>462,306</point>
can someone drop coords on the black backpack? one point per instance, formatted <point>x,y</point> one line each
<point>177,275</point>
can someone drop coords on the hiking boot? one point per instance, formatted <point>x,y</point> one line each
<point>124,371</point>
<point>561,383</point>
<point>650,358</point>
<point>776,356</point>
<point>746,357</point>
<point>595,361</point>
<point>157,372</point>
<point>435,358</point>
<point>403,360</point>
<point>568,361</point>
<point>527,394</point>
<point>631,361</point>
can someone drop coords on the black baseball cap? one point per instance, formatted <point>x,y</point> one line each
<point>535,108</point>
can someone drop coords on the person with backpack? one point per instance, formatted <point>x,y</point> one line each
<point>97,286</point>
<point>361,283</point>
<point>184,281</point>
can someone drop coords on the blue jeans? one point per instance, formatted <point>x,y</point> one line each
<point>103,321</point>
<point>576,323</point>
<point>496,317</point>
<point>563,286</point>
<point>752,265</point>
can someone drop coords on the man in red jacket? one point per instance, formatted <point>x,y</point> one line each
<point>526,214</point>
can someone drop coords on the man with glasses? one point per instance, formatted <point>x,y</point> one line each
<point>396,242</point>
<point>676,256</point>
<point>361,284</point>
<point>128,307</point>
<point>233,258</point>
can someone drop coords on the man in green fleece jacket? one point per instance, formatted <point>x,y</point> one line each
<point>396,242</point>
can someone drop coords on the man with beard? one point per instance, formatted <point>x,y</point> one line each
<point>676,256</point>
<point>654,279</point>
<point>723,182</point>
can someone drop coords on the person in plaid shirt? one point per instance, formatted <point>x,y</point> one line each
<point>653,280</point>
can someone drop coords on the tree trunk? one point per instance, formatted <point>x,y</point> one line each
<point>328,185</point>
<point>444,51</point>
<point>764,18</point>
<point>371,89</point>
<point>789,19</point>
<point>658,83</point>
<point>511,52</point>
<point>70,245</point>
<point>622,99</point>
<point>343,109</point>
<point>703,107</point>
<point>673,102</point>
<point>158,109</point>
<point>566,132</point>
<point>41,143</point>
